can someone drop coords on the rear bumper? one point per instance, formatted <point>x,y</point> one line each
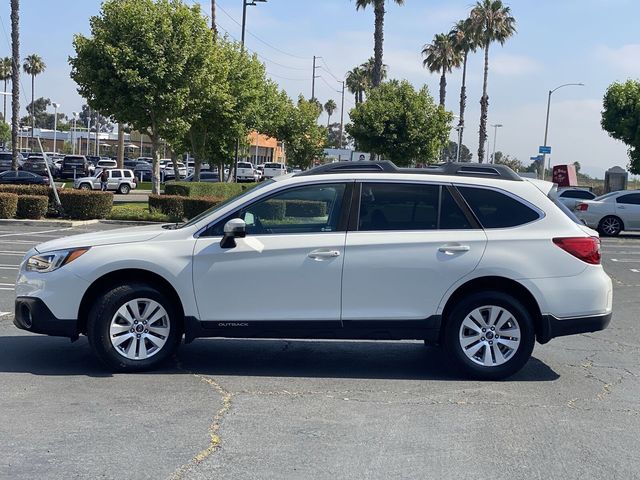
<point>552,327</point>
<point>33,315</point>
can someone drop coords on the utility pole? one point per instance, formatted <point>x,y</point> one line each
<point>495,137</point>
<point>313,77</point>
<point>214,27</point>
<point>342,116</point>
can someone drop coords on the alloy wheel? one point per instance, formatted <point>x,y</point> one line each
<point>139,329</point>
<point>610,225</point>
<point>489,336</point>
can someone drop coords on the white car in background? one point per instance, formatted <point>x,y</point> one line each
<point>246,172</point>
<point>273,169</point>
<point>612,213</point>
<point>169,172</point>
<point>571,196</point>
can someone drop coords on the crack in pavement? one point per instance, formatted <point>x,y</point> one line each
<point>214,427</point>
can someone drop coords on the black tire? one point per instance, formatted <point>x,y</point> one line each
<point>124,189</point>
<point>103,311</point>
<point>85,186</point>
<point>610,226</point>
<point>515,361</point>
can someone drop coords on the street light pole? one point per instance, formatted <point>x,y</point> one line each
<point>245,4</point>
<point>55,125</point>
<point>342,116</point>
<point>75,132</point>
<point>546,126</point>
<point>495,136</point>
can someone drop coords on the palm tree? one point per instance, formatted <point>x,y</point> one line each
<point>378,35</point>
<point>15,80</point>
<point>492,22</point>
<point>357,83</point>
<point>33,65</point>
<point>5,75</point>
<point>330,107</point>
<point>464,41</point>
<point>368,68</point>
<point>441,56</point>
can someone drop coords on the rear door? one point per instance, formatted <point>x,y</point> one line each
<point>114,179</point>
<point>411,242</point>
<point>628,209</point>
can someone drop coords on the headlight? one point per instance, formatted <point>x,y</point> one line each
<point>50,261</point>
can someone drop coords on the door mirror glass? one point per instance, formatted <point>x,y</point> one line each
<point>234,228</point>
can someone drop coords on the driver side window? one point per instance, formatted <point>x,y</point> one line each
<point>308,209</point>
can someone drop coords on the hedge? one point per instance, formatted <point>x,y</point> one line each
<point>206,189</point>
<point>32,206</point>
<point>8,204</point>
<point>86,204</point>
<point>305,208</point>
<point>26,189</point>
<point>178,207</point>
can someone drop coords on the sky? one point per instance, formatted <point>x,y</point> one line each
<point>595,42</point>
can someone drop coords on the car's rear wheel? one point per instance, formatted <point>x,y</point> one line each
<point>610,226</point>
<point>133,327</point>
<point>489,335</point>
<point>85,186</point>
<point>124,189</point>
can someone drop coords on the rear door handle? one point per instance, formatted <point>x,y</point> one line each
<point>451,249</point>
<point>322,254</point>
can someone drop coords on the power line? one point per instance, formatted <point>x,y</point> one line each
<point>287,78</point>
<point>328,70</point>
<point>328,85</point>
<point>258,38</point>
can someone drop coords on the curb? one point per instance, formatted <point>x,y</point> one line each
<point>46,223</point>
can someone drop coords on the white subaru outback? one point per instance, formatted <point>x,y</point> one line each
<point>467,256</point>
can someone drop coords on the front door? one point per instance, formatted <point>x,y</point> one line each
<point>289,266</point>
<point>412,242</point>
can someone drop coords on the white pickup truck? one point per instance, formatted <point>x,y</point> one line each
<point>120,180</point>
<point>274,170</point>
<point>246,172</point>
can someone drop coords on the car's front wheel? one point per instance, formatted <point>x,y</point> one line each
<point>489,335</point>
<point>610,226</point>
<point>124,189</point>
<point>133,327</point>
<point>85,186</point>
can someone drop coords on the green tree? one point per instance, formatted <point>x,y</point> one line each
<point>37,110</point>
<point>330,107</point>
<point>464,41</point>
<point>15,80</point>
<point>378,35</point>
<point>33,65</point>
<point>305,140</point>
<point>492,22</point>
<point>450,152</point>
<point>86,114</point>
<point>577,166</point>
<point>368,68</point>
<point>5,133</point>
<point>401,124</point>
<point>5,76</point>
<point>621,118</point>
<point>142,65</point>
<point>511,162</point>
<point>357,83</point>
<point>333,137</point>
<point>442,56</point>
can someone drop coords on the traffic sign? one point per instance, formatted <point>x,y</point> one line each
<point>544,149</point>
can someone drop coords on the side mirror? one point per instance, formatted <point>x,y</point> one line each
<point>234,228</point>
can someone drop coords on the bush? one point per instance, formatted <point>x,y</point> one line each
<point>194,206</point>
<point>207,189</point>
<point>86,205</point>
<point>136,211</point>
<point>170,205</point>
<point>26,189</point>
<point>32,206</point>
<point>8,204</point>
<point>305,208</point>
<point>270,210</point>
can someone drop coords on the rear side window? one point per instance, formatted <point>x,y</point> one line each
<point>127,174</point>
<point>116,174</point>
<point>580,194</point>
<point>629,199</point>
<point>497,210</point>
<point>404,206</point>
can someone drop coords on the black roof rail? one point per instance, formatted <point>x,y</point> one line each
<point>461,169</point>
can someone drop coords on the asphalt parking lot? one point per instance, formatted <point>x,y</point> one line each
<point>254,409</point>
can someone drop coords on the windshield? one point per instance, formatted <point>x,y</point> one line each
<point>204,214</point>
<point>606,195</point>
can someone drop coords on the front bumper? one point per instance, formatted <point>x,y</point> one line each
<point>33,315</point>
<point>552,327</point>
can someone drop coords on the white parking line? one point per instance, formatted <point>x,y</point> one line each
<point>624,260</point>
<point>9,267</point>
<point>26,234</point>
<point>2,314</point>
<point>7,252</point>
<point>634,270</point>
<point>7,289</point>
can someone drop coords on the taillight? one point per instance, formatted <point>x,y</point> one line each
<point>582,207</point>
<point>586,249</point>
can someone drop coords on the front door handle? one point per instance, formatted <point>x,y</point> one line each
<point>451,249</point>
<point>621,207</point>
<point>322,254</point>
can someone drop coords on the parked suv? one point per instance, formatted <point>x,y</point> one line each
<point>467,256</point>
<point>120,180</point>
<point>74,166</point>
